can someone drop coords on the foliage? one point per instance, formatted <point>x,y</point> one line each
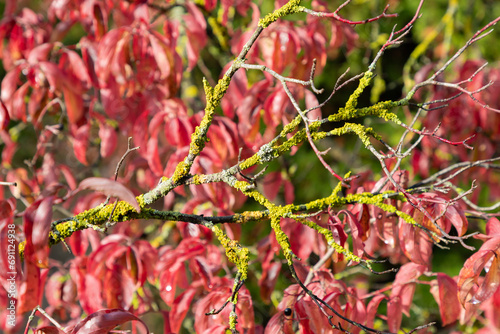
<point>215,166</point>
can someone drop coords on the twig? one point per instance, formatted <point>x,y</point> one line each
<point>318,265</point>
<point>337,17</point>
<point>46,315</point>
<point>130,149</point>
<point>3,183</point>
<point>463,167</point>
<point>319,302</point>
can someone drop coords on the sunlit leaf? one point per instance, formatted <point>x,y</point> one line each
<point>101,322</point>
<point>485,258</point>
<point>110,188</point>
<point>445,294</point>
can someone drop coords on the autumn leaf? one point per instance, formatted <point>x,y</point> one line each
<point>110,188</point>
<point>103,321</point>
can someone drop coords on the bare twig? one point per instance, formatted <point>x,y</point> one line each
<point>46,315</point>
<point>337,17</point>
<point>462,166</point>
<point>3,183</point>
<point>129,150</point>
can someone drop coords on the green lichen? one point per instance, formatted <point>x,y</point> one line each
<point>290,126</point>
<point>101,214</point>
<point>252,161</point>
<point>249,216</point>
<point>220,90</point>
<point>250,191</point>
<point>199,137</point>
<point>282,239</point>
<point>181,170</point>
<point>233,320</point>
<point>378,201</point>
<point>361,131</point>
<point>269,152</point>
<point>21,247</point>
<point>209,91</point>
<point>197,179</point>
<point>291,7</point>
<point>234,251</point>
<point>380,110</point>
<point>364,82</point>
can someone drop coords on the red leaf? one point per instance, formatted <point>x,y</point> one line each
<point>48,330</point>
<point>267,282</point>
<point>81,143</point>
<point>403,286</point>
<point>363,216</point>
<point>4,116</point>
<point>41,227</point>
<point>445,293</point>
<point>180,309</point>
<point>37,219</point>
<point>100,20</point>
<point>7,208</point>
<point>196,33</point>
<point>280,324</point>
<point>54,75</point>
<point>160,53</point>
<point>75,67</point>
<point>456,216</point>
<point>108,139</point>
<point>394,314</point>
<point>235,93</point>
<point>272,183</point>
<point>490,283</point>
<point>89,56</point>
<point>111,188</point>
<point>371,310</point>
<point>468,278</point>
<point>74,104</point>
<point>9,84</point>
<point>103,321</point>
<point>356,233</point>
<point>178,131</point>
<point>153,157</point>
<point>203,269</point>
<point>30,291</point>
<point>40,53</point>
<point>18,106</point>
<point>493,226</point>
<point>415,244</point>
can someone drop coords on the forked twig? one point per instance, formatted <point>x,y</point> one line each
<point>130,149</point>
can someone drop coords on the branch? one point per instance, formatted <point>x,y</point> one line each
<point>337,17</point>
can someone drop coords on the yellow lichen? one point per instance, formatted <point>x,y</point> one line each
<point>291,7</point>
<point>282,239</point>
<point>234,251</point>
<point>363,83</point>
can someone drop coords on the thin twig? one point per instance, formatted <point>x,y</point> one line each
<point>130,149</point>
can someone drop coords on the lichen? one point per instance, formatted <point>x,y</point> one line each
<point>361,131</point>
<point>282,239</point>
<point>363,83</point>
<point>265,153</point>
<point>233,320</point>
<point>234,251</point>
<point>250,191</point>
<point>291,7</point>
<point>181,170</point>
